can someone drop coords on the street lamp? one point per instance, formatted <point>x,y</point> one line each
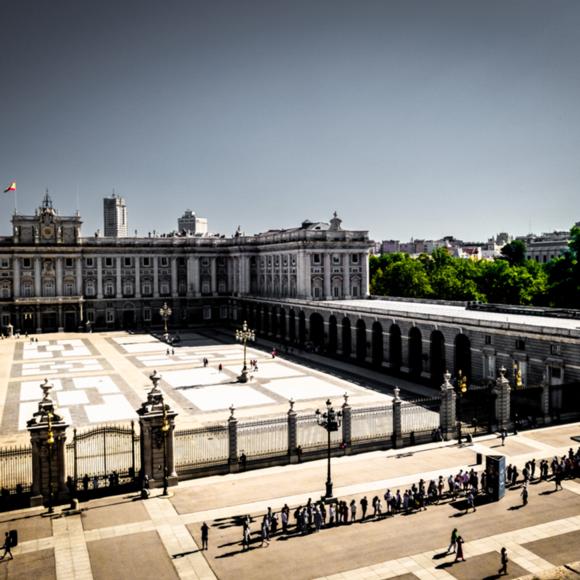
<point>243,336</point>
<point>50,443</point>
<point>461,387</point>
<point>165,313</point>
<point>164,429</point>
<point>330,420</point>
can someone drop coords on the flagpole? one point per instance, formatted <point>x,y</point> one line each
<point>15,204</point>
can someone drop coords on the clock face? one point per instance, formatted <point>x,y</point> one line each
<point>47,231</point>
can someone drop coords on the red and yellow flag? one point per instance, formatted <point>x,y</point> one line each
<point>11,187</point>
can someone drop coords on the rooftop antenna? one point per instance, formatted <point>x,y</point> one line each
<point>78,204</point>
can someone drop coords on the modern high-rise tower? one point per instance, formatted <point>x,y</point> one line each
<point>115,217</point>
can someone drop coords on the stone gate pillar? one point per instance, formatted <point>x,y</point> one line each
<point>233,442</point>
<point>48,438</point>
<point>346,425</point>
<point>157,423</point>
<point>397,424</point>
<point>292,433</point>
<point>502,390</point>
<point>447,410</point>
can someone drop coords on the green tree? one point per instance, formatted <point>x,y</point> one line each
<point>514,252</point>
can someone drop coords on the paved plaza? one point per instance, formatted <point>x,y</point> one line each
<point>124,537</point>
<point>103,378</point>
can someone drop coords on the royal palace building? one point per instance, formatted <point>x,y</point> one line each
<point>52,278</point>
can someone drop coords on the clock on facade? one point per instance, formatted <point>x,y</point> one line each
<point>48,232</point>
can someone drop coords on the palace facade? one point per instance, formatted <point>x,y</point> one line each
<point>52,278</point>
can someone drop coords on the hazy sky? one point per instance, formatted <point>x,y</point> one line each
<point>409,118</point>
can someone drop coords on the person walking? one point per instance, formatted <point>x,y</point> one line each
<point>352,511</point>
<point>524,495</point>
<point>204,536</point>
<point>364,504</point>
<point>459,555</point>
<point>246,537</point>
<point>220,368</point>
<point>504,562</point>
<point>453,542</point>
<point>503,435</point>
<point>7,547</point>
<point>265,532</point>
<point>470,502</point>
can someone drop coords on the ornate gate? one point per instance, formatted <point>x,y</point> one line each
<point>476,409</point>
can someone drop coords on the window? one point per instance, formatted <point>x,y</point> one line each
<point>181,261</point>
<point>68,263</point>
<point>354,258</point>
<point>147,262</point>
<point>556,349</point>
<point>556,372</point>
<point>205,287</point>
<point>69,288</point>
<point>89,262</point>
<point>336,259</point>
<point>205,261</point>
<point>336,292</point>
<point>5,291</point>
<point>108,262</point>
<point>207,312</point>
<point>109,289</point>
<point>355,290</point>
<point>164,261</point>
<point>520,344</point>
<point>90,288</point>
<point>27,289</point>
<point>316,258</point>
<point>221,287</point>
<point>4,263</point>
<point>223,311</point>
<point>48,288</point>
<point>316,292</point>
<point>26,263</point>
<point>147,314</point>
<point>110,316</point>
<point>128,289</point>
<point>146,289</point>
<point>488,339</point>
<point>127,262</point>
<point>164,288</point>
<point>90,316</point>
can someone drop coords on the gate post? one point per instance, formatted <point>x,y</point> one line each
<point>346,425</point>
<point>292,433</point>
<point>447,410</point>
<point>48,437</point>
<point>157,425</point>
<point>397,423</point>
<point>502,390</point>
<point>233,442</point>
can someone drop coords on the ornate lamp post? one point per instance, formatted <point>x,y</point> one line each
<point>330,420</point>
<point>165,313</point>
<point>461,388</point>
<point>50,443</point>
<point>164,429</point>
<point>243,336</point>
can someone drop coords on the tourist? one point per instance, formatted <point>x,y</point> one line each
<point>204,536</point>
<point>265,532</point>
<point>524,495</point>
<point>504,562</point>
<point>352,510</point>
<point>459,555</point>
<point>246,537</point>
<point>453,542</point>
<point>7,546</point>
<point>364,504</point>
<point>220,368</point>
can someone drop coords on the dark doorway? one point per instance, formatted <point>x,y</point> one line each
<point>70,321</point>
<point>292,327</point>
<point>332,335</point>
<point>346,338</point>
<point>361,340</point>
<point>463,356</point>
<point>415,352</point>
<point>395,348</point>
<point>49,322</point>
<point>377,345</point>
<point>437,356</point>
<point>317,331</point>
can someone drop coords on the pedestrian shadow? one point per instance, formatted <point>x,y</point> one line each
<point>445,565</point>
<point>236,552</point>
<point>183,554</point>
<point>493,577</point>
<point>440,555</point>
<point>232,522</point>
<point>548,492</point>
<point>516,507</point>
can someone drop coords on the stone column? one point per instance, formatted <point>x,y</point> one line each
<point>365,274</point>
<point>397,424</point>
<point>346,425</point>
<point>99,277</point>
<point>79,276</point>
<point>155,276</point>
<point>447,410</point>
<point>546,402</point>
<point>37,275</point>
<point>137,276</point>
<point>292,433</point>
<point>48,438</point>
<point>327,276</point>
<point>119,288</point>
<point>213,264</point>
<point>59,277</point>
<point>233,442</point>
<point>189,276</point>
<point>346,276</point>
<point>16,278</point>
<point>502,391</point>
<point>173,276</point>
<point>157,423</point>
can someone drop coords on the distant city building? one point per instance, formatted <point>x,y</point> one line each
<point>547,246</point>
<point>190,224</point>
<point>115,217</point>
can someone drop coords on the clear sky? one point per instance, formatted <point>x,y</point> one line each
<point>409,118</point>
